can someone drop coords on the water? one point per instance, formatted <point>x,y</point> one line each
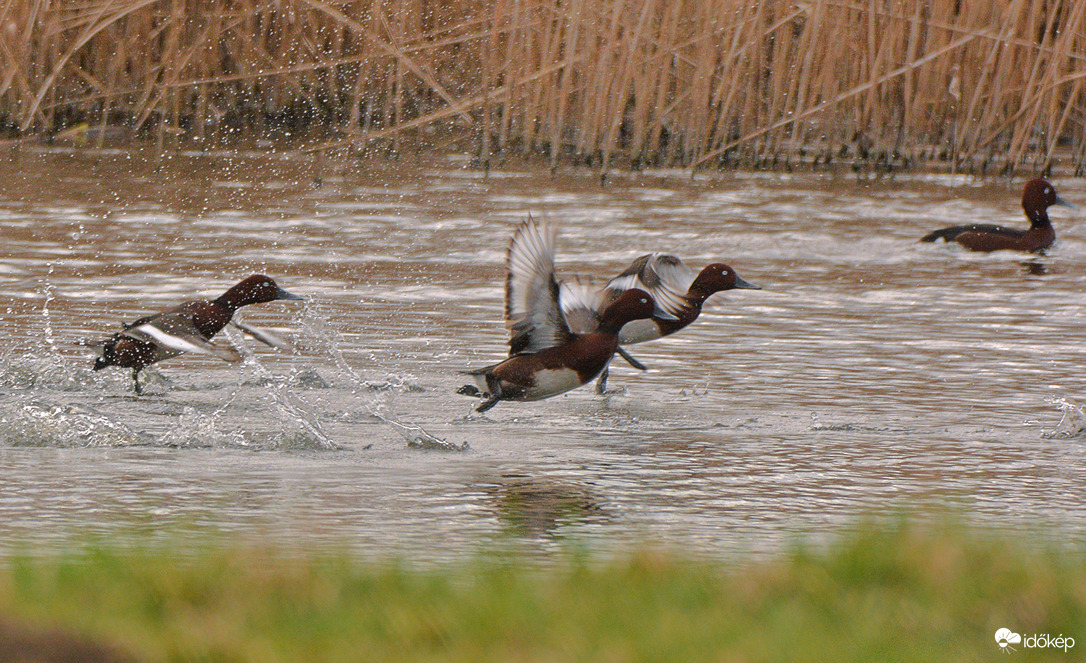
<point>871,375</point>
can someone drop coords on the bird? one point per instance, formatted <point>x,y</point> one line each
<point>189,327</point>
<point>545,357</point>
<point>676,289</point>
<point>1037,196</point>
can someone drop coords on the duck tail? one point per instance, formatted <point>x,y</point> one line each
<point>107,358</point>
<point>486,385</point>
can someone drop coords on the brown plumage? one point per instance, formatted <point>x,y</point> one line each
<point>1037,196</point>
<point>187,327</point>
<point>546,358</point>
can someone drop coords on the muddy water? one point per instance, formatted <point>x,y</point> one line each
<point>871,375</point>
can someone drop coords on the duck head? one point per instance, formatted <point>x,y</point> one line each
<point>1038,196</point>
<point>256,289</point>
<point>634,304</point>
<point>717,277</point>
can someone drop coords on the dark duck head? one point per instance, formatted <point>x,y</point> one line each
<point>715,278</point>
<point>1037,197</point>
<point>634,304</point>
<point>257,289</point>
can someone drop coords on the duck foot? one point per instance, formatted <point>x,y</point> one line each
<point>608,393</point>
<point>489,403</point>
<point>470,390</point>
<point>601,384</point>
<point>630,360</point>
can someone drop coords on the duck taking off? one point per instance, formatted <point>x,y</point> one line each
<point>189,327</point>
<point>546,358</point>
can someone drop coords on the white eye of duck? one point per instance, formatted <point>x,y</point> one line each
<point>1048,190</point>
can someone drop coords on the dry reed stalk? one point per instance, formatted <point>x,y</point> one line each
<point>690,82</point>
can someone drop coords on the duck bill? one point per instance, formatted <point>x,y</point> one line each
<point>661,314</point>
<point>740,284</point>
<point>283,294</point>
<point>1063,203</point>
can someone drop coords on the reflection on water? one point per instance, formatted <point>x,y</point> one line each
<point>871,373</point>
<point>530,507</point>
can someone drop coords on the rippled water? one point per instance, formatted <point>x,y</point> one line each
<point>872,374</point>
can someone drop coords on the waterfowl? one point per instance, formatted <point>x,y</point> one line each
<point>545,357</point>
<point>189,327</point>
<point>1037,196</point>
<point>674,287</point>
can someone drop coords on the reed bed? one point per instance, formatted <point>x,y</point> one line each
<point>980,85</point>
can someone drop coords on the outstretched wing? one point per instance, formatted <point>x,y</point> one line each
<point>180,342</point>
<point>264,336</point>
<point>532,311</point>
<point>663,276</point>
<point>582,305</point>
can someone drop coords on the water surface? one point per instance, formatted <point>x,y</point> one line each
<point>871,374</point>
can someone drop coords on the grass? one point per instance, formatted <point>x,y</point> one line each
<point>983,85</point>
<point>908,594</point>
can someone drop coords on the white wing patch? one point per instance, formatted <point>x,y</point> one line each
<point>663,276</point>
<point>582,304</point>
<point>265,336</point>
<point>182,342</point>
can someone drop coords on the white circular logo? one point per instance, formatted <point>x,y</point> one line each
<point>1006,637</point>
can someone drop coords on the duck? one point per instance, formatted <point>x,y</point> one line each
<point>546,358</point>
<point>1037,196</point>
<point>674,287</point>
<point>189,327</point>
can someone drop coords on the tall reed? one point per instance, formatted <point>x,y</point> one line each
<point>983,85</point>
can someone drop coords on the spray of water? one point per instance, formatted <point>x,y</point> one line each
<point>322,337</point>
<point>1072,422</point>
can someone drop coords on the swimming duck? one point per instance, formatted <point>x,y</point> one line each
<point>545,357</point>
<point>189,327</point>
<point>674,286</point>
<point>1037,197</point>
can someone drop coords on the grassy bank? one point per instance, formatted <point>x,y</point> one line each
<point>984,86</point>
<point>911,594</point>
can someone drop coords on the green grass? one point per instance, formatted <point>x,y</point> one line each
<point>908,594</point>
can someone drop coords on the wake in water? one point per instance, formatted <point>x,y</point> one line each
<point>54,399</point>
<point>34,424</point>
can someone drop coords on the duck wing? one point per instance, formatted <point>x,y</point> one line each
<point>949,234</point>
<point>532,312</point>
<point>264,336</point>
<point>177,342</point>
<point>582,305</point>
<point>663,276</point>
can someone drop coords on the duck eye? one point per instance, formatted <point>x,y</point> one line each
<point>1047,190</point>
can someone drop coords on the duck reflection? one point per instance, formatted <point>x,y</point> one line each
<point>532,507</point>
<point>1035,267</point>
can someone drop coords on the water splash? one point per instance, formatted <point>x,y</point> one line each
<point>419,438</point>
<point>46,318</point>
<point>1072,422</point>
<point>322,336</point>
<point>198,430</point>
<point>304,427</point>
<point>41,425</point>
<point>40,367</point>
